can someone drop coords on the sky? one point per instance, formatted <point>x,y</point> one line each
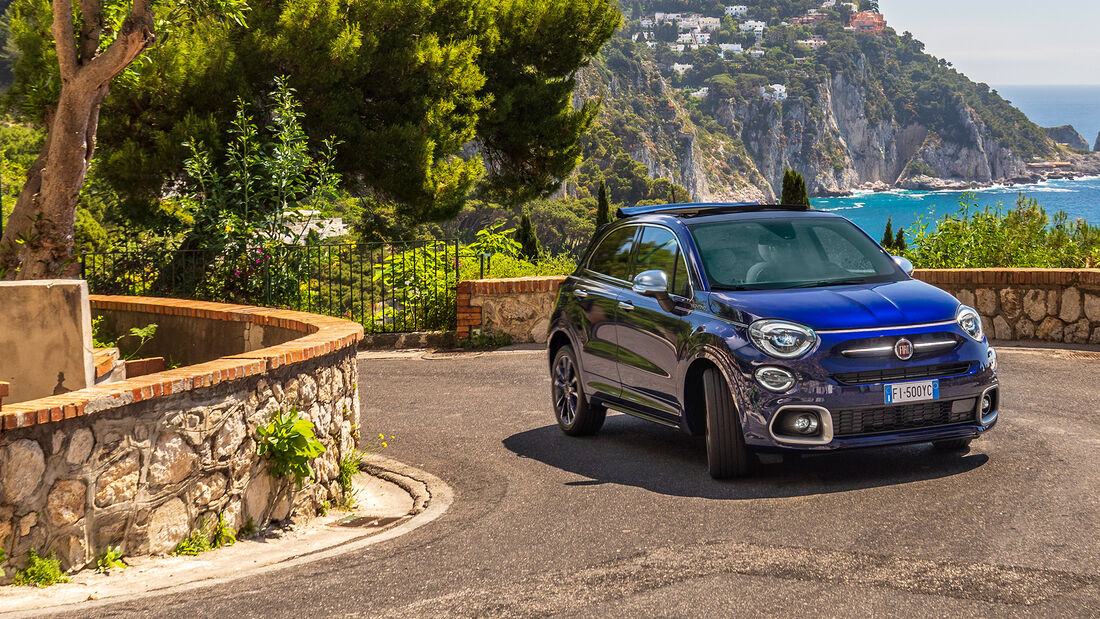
<point>1006,42</point>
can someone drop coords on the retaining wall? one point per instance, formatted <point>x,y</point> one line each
<point>140,463</point>
<point>1052,305</point>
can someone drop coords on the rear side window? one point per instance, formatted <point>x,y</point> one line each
<point>658,249</point>
<point>612,255</point>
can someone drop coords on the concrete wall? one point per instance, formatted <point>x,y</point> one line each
<point>45,337</point>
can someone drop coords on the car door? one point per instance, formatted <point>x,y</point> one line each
<point>597,293</point>
<point>650,338</point>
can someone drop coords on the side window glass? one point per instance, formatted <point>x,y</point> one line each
<point>658,249</point>
<point>612,256</point>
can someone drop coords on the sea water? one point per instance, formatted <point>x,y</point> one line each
<point>1079,198</point>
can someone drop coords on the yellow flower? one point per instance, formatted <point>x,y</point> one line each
<point>384,444</point>
<point>381,436</point>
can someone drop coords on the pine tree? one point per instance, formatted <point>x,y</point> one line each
<point>603,209</point>
<point>528,240</point>
<point>887,241</point>
<point>899,243</point>
<point>794,189</point>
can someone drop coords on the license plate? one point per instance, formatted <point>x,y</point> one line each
<point>912,392</point>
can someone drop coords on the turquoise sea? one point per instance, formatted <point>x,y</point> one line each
<point>1078,198</point>
<point>1049,106</point>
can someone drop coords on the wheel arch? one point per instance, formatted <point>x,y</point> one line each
<point>707,356</point>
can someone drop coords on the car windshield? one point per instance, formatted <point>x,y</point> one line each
<point>755,254</point>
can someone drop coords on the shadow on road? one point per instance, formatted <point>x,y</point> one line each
<point>632,452</point>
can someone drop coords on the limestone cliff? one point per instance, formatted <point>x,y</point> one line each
<point>1067,135</point>
<point>851,123</point>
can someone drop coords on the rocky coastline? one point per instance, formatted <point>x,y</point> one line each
<point>1072,166</point>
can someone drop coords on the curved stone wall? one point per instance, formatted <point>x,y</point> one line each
<point>140,463</point>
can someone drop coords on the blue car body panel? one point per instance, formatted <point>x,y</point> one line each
<point>643,357</point>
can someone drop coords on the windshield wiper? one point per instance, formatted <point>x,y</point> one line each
<point>831,282</point>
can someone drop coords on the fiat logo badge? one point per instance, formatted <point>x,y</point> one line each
<point>903,348</point>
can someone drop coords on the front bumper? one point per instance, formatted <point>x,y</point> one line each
<point>855,415</point>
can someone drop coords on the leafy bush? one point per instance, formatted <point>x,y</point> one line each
<point>40,571</point>
<point>977,237</point>
<point>483,340</point>
<point>290,444</point>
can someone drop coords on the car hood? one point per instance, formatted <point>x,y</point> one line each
<point>842,307</point>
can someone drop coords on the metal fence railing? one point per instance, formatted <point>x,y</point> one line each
<point>395,288</point>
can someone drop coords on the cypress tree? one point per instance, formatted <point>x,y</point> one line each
<point>528,240</point>
<point>603,209</point>
<point>899,243</point>
<point>887,241</point>
<point>794,189</point>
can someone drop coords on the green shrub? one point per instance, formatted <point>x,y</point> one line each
<point>248,530</point>
<point>988,237</point>
<point>290,444</point>
<point>40,571</point>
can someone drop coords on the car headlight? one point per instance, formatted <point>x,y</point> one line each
<point>970,322</point>
<point>782,339</point>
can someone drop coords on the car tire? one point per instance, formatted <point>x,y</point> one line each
<point>576,416</point>
<point>727,455</point>
<point>953,444</point>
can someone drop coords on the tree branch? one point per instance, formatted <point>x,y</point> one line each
<point>91,11</point>
<point>64,41</point>
<point>136,34</point>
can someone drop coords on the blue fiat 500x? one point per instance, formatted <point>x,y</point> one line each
<point>766,328</point>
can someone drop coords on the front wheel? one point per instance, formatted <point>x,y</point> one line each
<point>575,414</point>
<point>727,455</point>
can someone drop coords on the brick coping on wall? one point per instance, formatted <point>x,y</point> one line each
<point>321,335</point>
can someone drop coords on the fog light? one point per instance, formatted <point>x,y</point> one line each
<point>987,404</point>
<point>806,423</point>
<point>799,422</point>
<point>992,356</point>
<point>775,379</point>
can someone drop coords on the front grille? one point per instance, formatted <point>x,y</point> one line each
<point>912,372</point>
<point>902,417</point>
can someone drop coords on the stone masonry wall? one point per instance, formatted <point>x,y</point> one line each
<point>1052,305</point>
<point>141,463</point>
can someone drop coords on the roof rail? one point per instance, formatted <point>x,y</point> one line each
<point>707,208</point>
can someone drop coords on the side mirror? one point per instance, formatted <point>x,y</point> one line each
<point>904,264</point>
<point>651,283</point>
<point>654,284</point>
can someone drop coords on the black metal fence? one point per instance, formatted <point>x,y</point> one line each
<point>386,287</point>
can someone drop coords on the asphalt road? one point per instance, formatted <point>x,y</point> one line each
<point>628,523</point>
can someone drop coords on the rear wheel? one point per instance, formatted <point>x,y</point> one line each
<point>575,415</point>
<point>953,444</point>
<point>727,455</point>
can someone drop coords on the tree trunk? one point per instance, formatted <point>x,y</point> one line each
<point>38,237</point>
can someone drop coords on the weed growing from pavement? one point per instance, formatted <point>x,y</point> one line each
<point>349,467</point>
<point>201,540</point>
<point>483,340</point>
<point>40,571</point>
<point>109,560</point>
<point>248,530</point>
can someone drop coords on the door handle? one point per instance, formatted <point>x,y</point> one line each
<point>626,306</point>
<point>580,293</point>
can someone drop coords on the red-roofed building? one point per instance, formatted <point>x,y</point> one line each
<point>868,22</point>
